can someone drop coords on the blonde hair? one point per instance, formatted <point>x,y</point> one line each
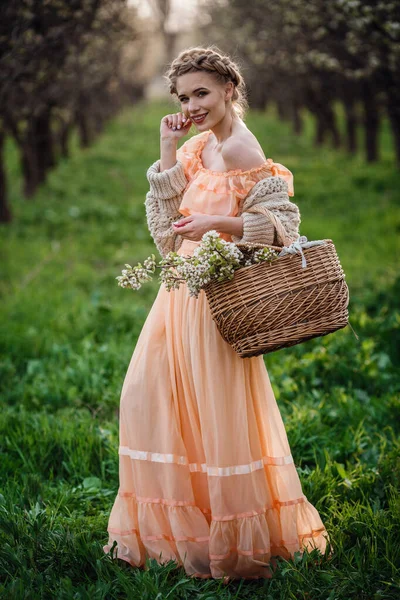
<point>210,60</point>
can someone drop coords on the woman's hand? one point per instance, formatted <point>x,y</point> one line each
<point>175,126</point>
<point>194,227</point>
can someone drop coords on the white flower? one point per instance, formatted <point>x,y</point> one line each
<point>214,259</point>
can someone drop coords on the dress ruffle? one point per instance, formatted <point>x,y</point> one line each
<point>220,192</point>
<point>238,546</point>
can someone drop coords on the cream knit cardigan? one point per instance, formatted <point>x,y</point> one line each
<point>165,196</point>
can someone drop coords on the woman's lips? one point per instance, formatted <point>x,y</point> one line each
<point>199,119</point>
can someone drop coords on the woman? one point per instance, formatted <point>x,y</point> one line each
<point>206,474</point>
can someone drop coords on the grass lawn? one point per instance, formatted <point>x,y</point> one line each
<point>67,333</point>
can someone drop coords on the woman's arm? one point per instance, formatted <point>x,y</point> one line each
<point>272,193</point>
<point>162,204</point>
<point>231,225</point>
<point>172,128</point>
<point>168,147</point>
<point>167,181</point>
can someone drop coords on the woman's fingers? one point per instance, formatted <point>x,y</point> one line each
<point>178,121</point>
<point>167,120</point>
<point>182,120</point>
<point>184,220</point>
<point>177,124</point>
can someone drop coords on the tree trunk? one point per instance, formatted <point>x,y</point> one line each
<point>42,138</point>
<point>321,130</point>
<point>297,118</point>
<point>394,116</point>
<point>5,212</point>
<point>99,124</point>
<point>170,42</point>
<point>332,126</point>
<point>83,128</point>
<point>314,102</point>
<point>64,139</point>
<point>30,169</point>
<point>371,123</point>
<point>282,110</point>
<point>257,96</point>
<point>351,126</point>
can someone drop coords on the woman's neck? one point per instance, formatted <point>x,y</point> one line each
<point>225,128</point>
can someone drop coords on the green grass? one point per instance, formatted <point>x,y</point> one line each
<point>67,333</point>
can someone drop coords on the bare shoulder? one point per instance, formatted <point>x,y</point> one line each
<point>242,151</point>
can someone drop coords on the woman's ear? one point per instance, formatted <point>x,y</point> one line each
<point>229,90</point>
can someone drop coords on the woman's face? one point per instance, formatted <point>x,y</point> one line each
<point>200,94</point>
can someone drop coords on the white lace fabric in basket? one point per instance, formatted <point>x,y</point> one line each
<point>298,245</point>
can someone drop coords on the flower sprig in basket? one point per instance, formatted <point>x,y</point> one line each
<point>296,292</point>
<point>214,259</point>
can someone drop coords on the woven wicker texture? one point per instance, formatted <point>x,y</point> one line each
<point>272,305</point>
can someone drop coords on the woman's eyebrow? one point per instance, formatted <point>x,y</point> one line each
<point>194,91</point>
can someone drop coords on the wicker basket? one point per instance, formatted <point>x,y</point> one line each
<point>273,305</point>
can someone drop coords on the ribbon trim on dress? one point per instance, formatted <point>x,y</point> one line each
<point>202,467</point>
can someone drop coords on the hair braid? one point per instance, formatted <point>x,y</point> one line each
<point>210,60</point>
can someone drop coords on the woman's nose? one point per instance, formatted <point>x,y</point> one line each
<point>193,109</point>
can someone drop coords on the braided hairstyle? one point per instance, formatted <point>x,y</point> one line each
<point>213,61</point>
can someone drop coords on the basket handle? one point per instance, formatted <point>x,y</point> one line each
<point>281,231</point>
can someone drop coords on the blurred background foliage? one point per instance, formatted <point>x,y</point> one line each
<point>73,64</point>
<point>311,55</point>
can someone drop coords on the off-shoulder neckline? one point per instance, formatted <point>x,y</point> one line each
<point>230,172</point>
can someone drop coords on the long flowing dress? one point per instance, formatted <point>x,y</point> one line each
<point>207,477</point>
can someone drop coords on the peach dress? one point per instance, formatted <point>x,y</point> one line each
<point>207,477</point>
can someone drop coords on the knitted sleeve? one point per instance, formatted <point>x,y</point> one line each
<point>162,204</point>
<point>271,192</point>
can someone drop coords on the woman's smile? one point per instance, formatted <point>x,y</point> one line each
<point>200,118</point>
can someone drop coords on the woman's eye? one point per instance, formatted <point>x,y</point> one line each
<point>183,100</point>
